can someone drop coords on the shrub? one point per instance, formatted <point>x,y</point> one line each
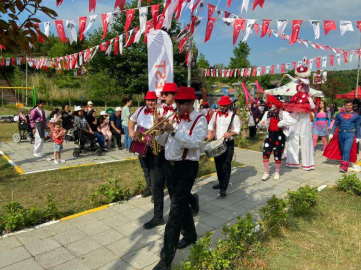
<point>302,200</point>
<point>274,214</point>
<point>111,192</point>
<point>350,184</point>
<point>17,217</point>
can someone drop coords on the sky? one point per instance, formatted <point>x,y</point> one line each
<point>265,51</point>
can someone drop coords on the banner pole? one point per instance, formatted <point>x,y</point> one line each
<point>26,79</point>
<point>189,81</point>
<point>358,69</point>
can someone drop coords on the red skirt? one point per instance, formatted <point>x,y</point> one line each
<point>299,103</point>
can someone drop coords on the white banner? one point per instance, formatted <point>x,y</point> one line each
<point>160,60</point>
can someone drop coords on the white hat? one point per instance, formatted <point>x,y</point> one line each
<point>90,103</point>
<point>78,108</point>
<point>103,113</point>
<point>118,109</point>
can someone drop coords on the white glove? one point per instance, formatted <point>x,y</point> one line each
<point>280,124</point>
<point>357,140</point>
<point>330,136</point>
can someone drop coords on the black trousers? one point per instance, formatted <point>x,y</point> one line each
<point>181,176</point>
<point>252,132</point>
<point>224,165</point>
<point>148,167</point>
<point>118,138</point>
<point>159,185</point>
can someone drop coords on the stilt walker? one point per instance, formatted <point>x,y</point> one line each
<point>276,121</point>
<point>301,105</point>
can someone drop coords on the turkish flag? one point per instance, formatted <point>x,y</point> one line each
<point>263,70</point>
<point>258,2</point>
<point>211,9</point>
<point>37,28</point>
<point>119,3</point>
<point>254,72</point>
<point>116,45</point>
<point>256,28</point>
<point>230,74</point>
<point>13,61</point>
<point>130,16</point>
<point>296,27</point>
<point>105,24</point>
<point>237,26</point>
<point>283,68</point>
<point>155,12</point>
<point>229,3</point>
<point>178,9</point>
<point>328,26</point>
<point>332,58</point>
<point>208,72</point>
<point>318,62</point>
<point>148,26</point>
<point>92,5</point>
<point>227,14</point>
<point>272,69</point>
<point>181,44</point>
<point>345,57</point>
<point>294,65</point>
<point>265,27</point>
<point>359,25</point>
<point>131,39</point>
<point>82,24</point>
<point>210,25</point>
<point>245,74</point>
<point>60,29</point>
<point>160,22</point>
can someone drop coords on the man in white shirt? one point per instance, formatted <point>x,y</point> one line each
<point>182,141</point>
<point>220,128</point>
<point>143,117</point>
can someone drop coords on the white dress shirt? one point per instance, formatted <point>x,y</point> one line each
<point>144,120</point>
<point>221,124</point>
<point>161,110</point>
<point>175,146</point>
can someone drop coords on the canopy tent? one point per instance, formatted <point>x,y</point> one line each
<point>350,95</point>
<point>290,90</point>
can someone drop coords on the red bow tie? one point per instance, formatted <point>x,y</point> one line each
<point>184,117</point>
<point>148,111</point>
<point>221,114</point>
<point>167,108</point>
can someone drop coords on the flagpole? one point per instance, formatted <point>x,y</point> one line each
<point>26,79</point>
<point>190,56</point>
<point>358,69</point>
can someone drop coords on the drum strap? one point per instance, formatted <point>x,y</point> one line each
<point>185,152</point>
<point>140,111</point>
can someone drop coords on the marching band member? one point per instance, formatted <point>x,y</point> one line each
<point>274,120</point>
<point>224,125</point>
<point>182,152</point>
<point>143,116</point>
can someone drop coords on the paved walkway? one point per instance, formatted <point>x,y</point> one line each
<point>113,238</point>
<point>22,155</point>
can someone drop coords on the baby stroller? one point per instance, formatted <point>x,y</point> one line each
<point>86,142</point>
<point>25,130</point>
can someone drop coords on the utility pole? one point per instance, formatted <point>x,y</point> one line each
<point>358,69</point>
<point>190,59</point>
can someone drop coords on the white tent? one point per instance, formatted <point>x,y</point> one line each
<point>290,90</point>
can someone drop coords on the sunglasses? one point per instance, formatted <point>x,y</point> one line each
<point>167,94</point>
<point>181,102</point>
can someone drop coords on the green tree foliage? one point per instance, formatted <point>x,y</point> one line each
<point>240,58</point>
<point>202,62</point>
<point>335,85</point>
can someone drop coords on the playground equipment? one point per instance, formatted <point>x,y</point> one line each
<point>17,88</point>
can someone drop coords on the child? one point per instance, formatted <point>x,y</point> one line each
<point>58,138</point>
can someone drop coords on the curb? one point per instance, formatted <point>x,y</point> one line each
<point>12,163</point>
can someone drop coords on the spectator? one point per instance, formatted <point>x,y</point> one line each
<point>58,138</point>
<point>38,124</point>
<point>262,107</point>
<point>257,116</point>
<point>125,120</point>
<point>105,128</point>
<point>66,116</point>
<point>94,125</point>
<point>116,126</point>
<point>321,125</point>
<point>333,109</point>
<point>356,106</point>
<point>89,107</point>
<point>81,122</point>
<point>55,117</point>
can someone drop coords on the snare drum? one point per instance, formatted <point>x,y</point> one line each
<point>215,148</point>
<point>139,147</point>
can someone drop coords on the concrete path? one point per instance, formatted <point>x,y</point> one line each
<point>113,238</point>
<point>22,155</point>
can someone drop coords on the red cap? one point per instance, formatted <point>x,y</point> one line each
<point>186,93</point>
<point>150,95</point>
<point>303,72</point>
<point>225,100</point>
<point>170,88</point>
<point>205,103</point>
<point>272,100</point>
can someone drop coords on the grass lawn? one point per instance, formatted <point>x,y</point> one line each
<point>256,144</point>
<point>7,130</point>
<point>71,188</point>
<point>329,239</point>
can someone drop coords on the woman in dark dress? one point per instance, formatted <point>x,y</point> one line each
<point>257,116</point>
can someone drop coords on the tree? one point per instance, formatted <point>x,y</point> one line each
<point>67,81</point>
<point>240,59</point>
<point>202,62</point>
<point>18,34</point>
<point>333,86</point>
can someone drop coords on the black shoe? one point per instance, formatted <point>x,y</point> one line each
<point>146,193</point>
<point>217,186</point>
<point>162,266</point>
<point>154,222</point>
<point>120,148</point>
<point>152,199</point>
<point>223,193</point>
<point>195,208</point>
<point>185,243</point>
